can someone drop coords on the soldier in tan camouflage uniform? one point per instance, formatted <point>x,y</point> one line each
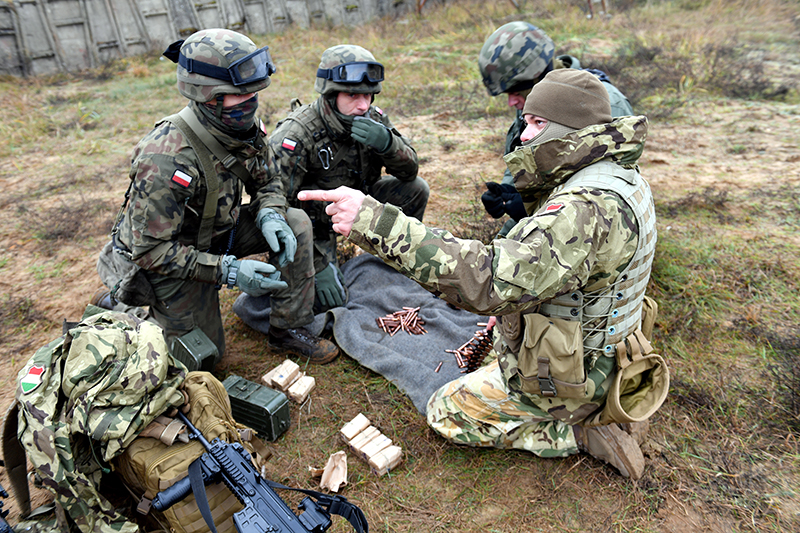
<point>512,60</point>
<point>567,284</point>
<point>184,231</point>
<point>341,139</point>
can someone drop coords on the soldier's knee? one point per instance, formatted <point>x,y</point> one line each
<point>298,221</point>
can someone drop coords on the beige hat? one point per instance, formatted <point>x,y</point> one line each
<point>572,97</point>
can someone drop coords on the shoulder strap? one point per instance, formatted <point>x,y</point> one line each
<point>209,172</point>
<point>15,460</point>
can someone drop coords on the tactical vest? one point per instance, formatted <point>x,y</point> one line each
<point>586,326</point>
<point>328,167</point>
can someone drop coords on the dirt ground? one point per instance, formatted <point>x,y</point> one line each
<point>740,146</point>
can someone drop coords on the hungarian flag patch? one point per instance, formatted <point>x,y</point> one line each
<point>182,178</point>
<point>32,379</point>
<point>289,144</point>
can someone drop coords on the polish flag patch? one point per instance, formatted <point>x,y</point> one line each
<point>289,144</point>
<point>379,110</point>
<point>552,208</point>
<point>182,178</point>
<point>263,127</point>
<point>31,381</point>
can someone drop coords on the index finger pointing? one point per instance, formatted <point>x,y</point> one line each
<point>318,195</point>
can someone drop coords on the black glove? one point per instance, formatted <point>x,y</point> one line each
<point>500,199</point>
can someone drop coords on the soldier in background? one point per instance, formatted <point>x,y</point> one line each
<point>342,139</point>
<point>182,232</point>
<point>512,60</point>
<point>567,282</point>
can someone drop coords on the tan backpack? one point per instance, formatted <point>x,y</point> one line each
<point>150,465</point>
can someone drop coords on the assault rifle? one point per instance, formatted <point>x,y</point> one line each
<point>4,526</point>
<point>264,511</point>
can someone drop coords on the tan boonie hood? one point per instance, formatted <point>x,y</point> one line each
<point>539,169</point>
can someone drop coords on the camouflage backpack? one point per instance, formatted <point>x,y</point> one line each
<point>82,399</point>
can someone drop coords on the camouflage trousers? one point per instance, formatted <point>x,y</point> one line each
<point>184,305</point>
<point>479,410</point>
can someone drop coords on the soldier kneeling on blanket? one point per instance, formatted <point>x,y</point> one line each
<point>342,138</point>
<point>567,285</point>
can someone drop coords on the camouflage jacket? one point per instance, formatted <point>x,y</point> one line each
<point>573,239</point>
<point>161,225</point>
<point>312,138</point>
<point>620,107</point>
<point>84,397</point>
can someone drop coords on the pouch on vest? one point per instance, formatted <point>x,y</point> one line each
<point>125,278</point>
<point>640,386</point>
<point>150,465</point>
<point>551,357</point>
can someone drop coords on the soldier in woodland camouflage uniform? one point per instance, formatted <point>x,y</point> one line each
<point>567,284</point>
<point>342,139</point>
<point>512,60</point>
<point>185,227</point>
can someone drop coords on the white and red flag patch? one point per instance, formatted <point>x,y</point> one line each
<point>552,208</point>
<point>289,144</point>
<point>32,379</point>
<point>182,178</point>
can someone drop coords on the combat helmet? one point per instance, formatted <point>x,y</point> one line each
<point>515,57</point>
<point>217,61</point>
<point>348,68</point>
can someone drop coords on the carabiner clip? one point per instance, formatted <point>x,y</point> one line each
<point>325,154</point>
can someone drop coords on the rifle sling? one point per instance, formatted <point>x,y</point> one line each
<point>337,505</point>
<point>199,490</point>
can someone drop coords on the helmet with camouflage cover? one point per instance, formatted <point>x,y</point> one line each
<point>514,57</point>
<point>217,61</point>
<point>348,68</point>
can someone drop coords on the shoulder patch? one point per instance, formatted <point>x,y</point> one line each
<point>552,208</point>
<point>262,126</point>
<point>182,178</point>
<point>379,110</point>
<point>289,144</point>
<point>32,379</point>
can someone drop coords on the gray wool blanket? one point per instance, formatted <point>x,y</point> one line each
<point>408,361</point>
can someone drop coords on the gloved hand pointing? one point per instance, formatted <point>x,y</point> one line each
<point>276,231</point>
<point>252,277</point>
<point>372,133</point>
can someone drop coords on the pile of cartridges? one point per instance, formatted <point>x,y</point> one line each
<point>366,441</point>
<point>406,319</point>
<point>287,378</point>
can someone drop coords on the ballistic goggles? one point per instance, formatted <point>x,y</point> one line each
<point>355,72</point>
<point>253,67</point>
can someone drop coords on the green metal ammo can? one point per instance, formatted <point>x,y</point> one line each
<point>195,350</point>
<point>259,407</point>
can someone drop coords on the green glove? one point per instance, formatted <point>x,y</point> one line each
<point>252,277</point>
<point>330,289</point>
<point>275,229</point>
<point>372,133</point>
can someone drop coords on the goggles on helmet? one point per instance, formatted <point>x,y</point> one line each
<point>253,67</point>
<point>355,72</point>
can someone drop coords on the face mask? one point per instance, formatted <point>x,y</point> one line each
<point>239,117</point>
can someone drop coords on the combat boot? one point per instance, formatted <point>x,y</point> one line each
<point>102,298</point>
<point>612,445</point>
<point>637,430</point>
<point>298,340</point>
